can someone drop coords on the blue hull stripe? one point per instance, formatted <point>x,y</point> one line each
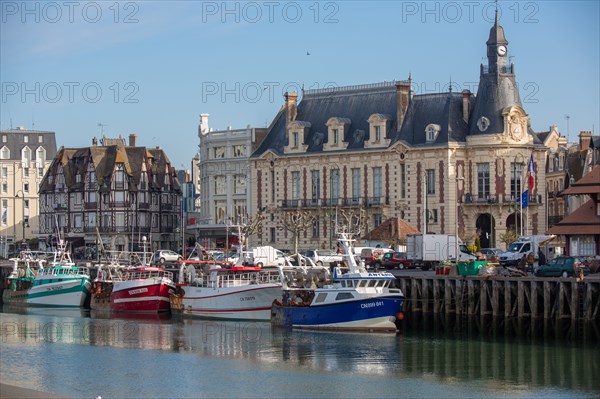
<point>343,312</point>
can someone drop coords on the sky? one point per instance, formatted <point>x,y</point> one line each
<point>87,69</point>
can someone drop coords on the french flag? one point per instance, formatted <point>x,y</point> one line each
<point>531,173</point>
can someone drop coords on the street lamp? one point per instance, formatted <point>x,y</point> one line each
<point>24,222</point>
<point>333,169</point>
<point>457,179</point>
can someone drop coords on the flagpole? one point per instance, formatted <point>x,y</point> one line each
<point>521,218</point>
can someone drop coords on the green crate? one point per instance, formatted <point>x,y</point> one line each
<point>470,268</point>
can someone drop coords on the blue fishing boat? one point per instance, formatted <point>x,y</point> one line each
<point>353,299</point>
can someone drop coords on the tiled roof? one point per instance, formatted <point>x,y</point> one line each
<point>583,221</point>
<point>391,229</point>
<point>588,184</point>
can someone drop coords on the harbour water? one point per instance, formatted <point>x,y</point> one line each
<point>75,354</point>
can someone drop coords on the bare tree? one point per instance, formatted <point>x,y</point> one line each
<point>352,221</point>
<point>296,222</point>
<point>249,225</point>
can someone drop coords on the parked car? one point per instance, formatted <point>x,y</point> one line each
<point>490,253</point>
<point>373,257</point>
<point>165,255</point>
<point>563,266</point>
<point>395,260</point>
<point>324,256</point>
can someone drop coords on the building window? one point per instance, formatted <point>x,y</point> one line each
<point>26,156</point>
<point>40,139</point>
<point>220,184</point>
<point>434,215</point>
<point>5,154</point>
<point>483,181</point>
<point>402,181</point>
<point>219,152</point>
<point>25,139</point>
<point>377,190</point>
<point>430,181</point>
<point>4,139</point>
<point>515,180</point>
<point>78,221</point>
<point>377,219</point>
<point>377,133</point>
<point>316,186</point>
<point>4,172</point>
<point>335,184</point>
<point>355,185</point>
<point>240,184</point>
<point>431,132</point>
<point>119,179</point>
<point>4,188</point>
<point>26,172</point>
<point>26,187</point>
<point>273,236</point>
<point>315,228</point>
<point>239,151</point>
<point>4,212</point>
<point>336,138</point>
<point>295,185</point>
<point>295,139</point>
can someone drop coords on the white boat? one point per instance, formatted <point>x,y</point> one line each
<point>356,300</point>
<point>237,292</point>
<point>62,283</point>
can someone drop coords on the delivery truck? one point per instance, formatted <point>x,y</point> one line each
<point>429,250</point>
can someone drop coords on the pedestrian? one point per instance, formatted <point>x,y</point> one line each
<point>541,257</point>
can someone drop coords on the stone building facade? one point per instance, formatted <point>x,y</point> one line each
<point>454,163</point>
<point>224,179</point>
<point>25,156</point>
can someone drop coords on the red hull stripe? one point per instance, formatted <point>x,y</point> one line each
<point>230,310</point>
<point>226,294</point>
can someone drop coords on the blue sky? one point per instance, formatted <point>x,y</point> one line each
<point>151,67</point>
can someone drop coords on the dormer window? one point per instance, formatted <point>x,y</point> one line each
<point>378,125</point>
<point>297,131</point>
<point>431,132</point>
<point>336,130</point>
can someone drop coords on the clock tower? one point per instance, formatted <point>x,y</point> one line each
<point>498,93</point>
<point>497,49</point>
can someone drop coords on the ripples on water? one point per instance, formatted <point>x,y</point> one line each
<point>70,353</point>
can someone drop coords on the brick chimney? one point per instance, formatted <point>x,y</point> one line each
<point>466,97</point>
<point>132,137</point>
<point>402,100</point>
<point>585,137</point>
<point>291,100</point>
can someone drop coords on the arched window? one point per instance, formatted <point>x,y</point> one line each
<point>5,153</point>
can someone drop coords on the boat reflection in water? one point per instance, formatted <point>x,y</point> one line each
<point>438,365</point>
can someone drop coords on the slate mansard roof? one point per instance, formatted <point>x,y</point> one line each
<point>357,104</point>
<point>15,142</point>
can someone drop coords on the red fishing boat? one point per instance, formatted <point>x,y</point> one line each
<point>144,289</point>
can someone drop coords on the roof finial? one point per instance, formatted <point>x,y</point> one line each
<point>450,85</point>
<point>496,12</point>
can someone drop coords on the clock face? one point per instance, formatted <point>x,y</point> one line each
<point>501,50</point>
<point>483,123</point>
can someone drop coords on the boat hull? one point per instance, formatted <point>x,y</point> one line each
<point>252,302</point>
<point>373,314</point>
<point>66,293</point>
<point>141,296</point>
